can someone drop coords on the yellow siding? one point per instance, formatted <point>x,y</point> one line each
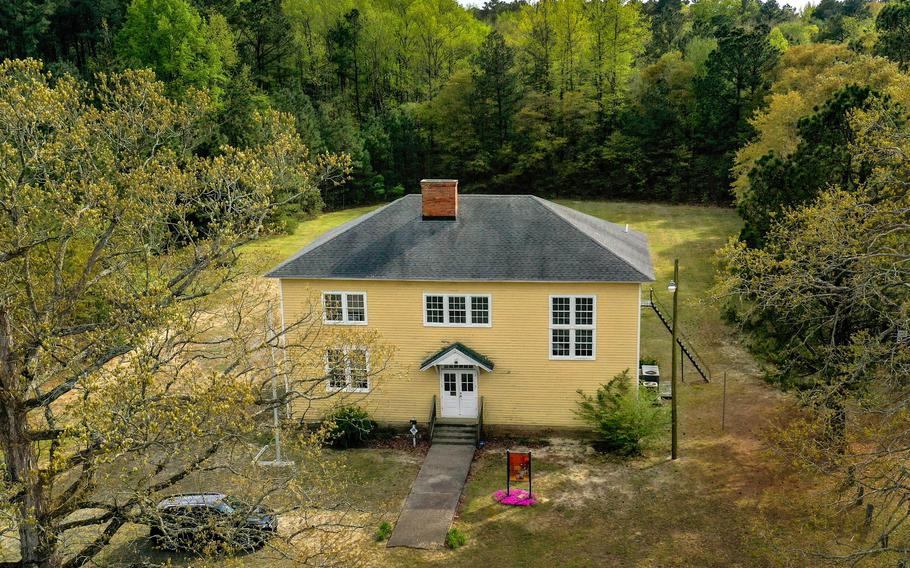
<point>526,388</point>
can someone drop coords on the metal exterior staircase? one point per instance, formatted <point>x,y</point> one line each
<point>684,344</point>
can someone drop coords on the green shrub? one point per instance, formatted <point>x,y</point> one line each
<point>624,421</point>
<point>384,531</point>
<point>348,427</point>
<point>647,360</point>
<point>455,538</point>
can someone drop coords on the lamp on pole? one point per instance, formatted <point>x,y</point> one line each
<point>673,287</point>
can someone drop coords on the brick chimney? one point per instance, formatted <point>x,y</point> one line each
<point>440,198</point>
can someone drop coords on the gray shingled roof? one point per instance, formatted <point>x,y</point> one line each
<point>494,238</point>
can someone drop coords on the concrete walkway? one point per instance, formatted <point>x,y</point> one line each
<point>430,507</point>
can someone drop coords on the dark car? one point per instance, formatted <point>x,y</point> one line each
<point>192,521</point>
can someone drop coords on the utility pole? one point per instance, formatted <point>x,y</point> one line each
<point>673,288</point>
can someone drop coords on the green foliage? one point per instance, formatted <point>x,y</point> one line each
<point>777,40</point>
<point>555,97</point>
<point>821,159</point>
<point>797,32</point>
<point>733,87</point>
<point>383,532</point>
<point>829,290</point>
<point>667,26</point>
<point>893,26</point>
<point>698,49</point>
<point>647,360</point>
<point>455,538</point>
<point>834,16</point>
<point>624,421</point>
<point>105,195</point>
<point>171,38</point>
<point>348,427</point>
<point>495,91</point>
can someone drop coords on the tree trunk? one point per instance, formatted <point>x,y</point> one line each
<point>36,544</point>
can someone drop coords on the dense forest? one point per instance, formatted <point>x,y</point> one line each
<point>661,100</point>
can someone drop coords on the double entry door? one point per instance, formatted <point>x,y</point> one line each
<point>459,393</point>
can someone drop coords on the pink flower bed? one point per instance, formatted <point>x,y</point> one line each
<point>516,497</point>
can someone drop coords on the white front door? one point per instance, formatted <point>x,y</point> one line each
<point>459,393</point>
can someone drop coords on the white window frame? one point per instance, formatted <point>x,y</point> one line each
<point>468,315</point>
<point>572,327</point>
<point>348,376</point>
<point>344,308</point>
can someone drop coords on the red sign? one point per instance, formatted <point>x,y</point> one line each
<point>519,466</point>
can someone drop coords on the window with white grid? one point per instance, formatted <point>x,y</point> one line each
<point>344,308</point>
<point>457,310</point>
<point>572,327</point>
<point>347,369</point>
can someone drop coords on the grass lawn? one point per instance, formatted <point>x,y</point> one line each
<point>266,253</point>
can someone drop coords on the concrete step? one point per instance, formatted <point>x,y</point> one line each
<point>455,430</point>
<point>455,434</point>
<point>454,441</point>
<point>459,425</point>
<point>451,436</point>
<point>439,432</point>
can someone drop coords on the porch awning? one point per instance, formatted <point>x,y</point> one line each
<point>457,354</point>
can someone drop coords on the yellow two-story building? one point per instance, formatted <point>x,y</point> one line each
<point>500,304</point>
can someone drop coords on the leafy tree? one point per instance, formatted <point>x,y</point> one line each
<point>22,27</point>
<point>823,158</point>
<point>444,35</point>
<point>536,39</point>
<point>618,36</point>
<point>707,14</point>
<point>797,32</point>
<point>733,87</point>
<point>655,146</point>
<point>893,26</point>
<point>833,17</point>
<point>829,294</point>
<point>492,9</point>
<point>697,51</point>
<point>778,41</point>
<point>171,38</point>
<point>449,127</point>
<point>807,77</point>
<point>342,41</point>
<point>667,26</point>
<point>771,13</point>
<point>263,36</point>
<point>110,393</point>
<point>495,90</point>
<point>64,32</point>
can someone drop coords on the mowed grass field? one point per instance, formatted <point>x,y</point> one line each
<point>728,501</point>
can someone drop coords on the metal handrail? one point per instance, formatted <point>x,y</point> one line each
<point>478,434</point>
<point>432,421</point>
<point>681,339</point>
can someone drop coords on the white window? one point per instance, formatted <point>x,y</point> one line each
<point>459,310</point>
<point>572,327</point>
<point>347,369</point>
<point>344,308</point>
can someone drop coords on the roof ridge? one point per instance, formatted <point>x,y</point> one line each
<point>332,234</point>
<point>546,204</point>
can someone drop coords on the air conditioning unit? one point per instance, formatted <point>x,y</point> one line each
<point>649,376</point>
